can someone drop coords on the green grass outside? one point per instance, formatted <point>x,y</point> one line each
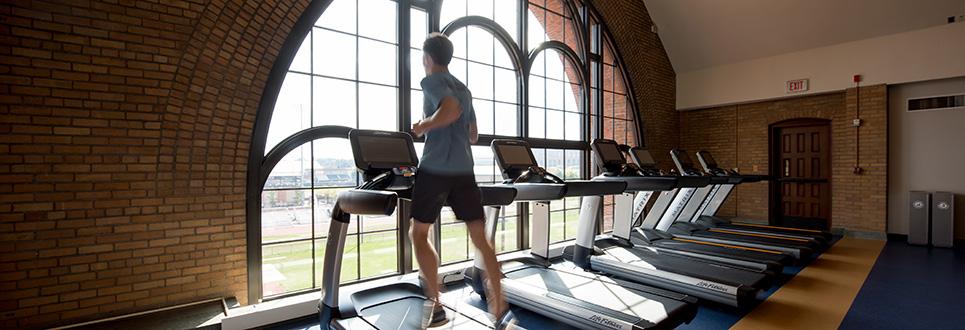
<point>379,253</point>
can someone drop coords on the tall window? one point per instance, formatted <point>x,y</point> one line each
<point>349,70</point>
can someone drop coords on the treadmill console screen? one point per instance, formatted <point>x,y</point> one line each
<point>707,160</point>
<point>514,155</point>
<point>382,150</point>
<point>684,163</point>
<point>610,153</point>
<point>644,158</point>
<point>377,149</point>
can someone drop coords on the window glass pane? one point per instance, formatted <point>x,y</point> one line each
<point>350,259</point>
<point>537,122</point>
<point>554,162</point>
<point>378,21</point>
<point>334,163</point>
<point>572,98</point>
<point>574,164</point>
<point>573,126</point>
<point>484,116</point>
<point>458,69</point>
<point>324,201</point>
<point>554,64</point>
<point>418,28</point>
<point>303,58</point>
<point>293,171</point>
<point>555,93</point>
<point>333,54</point>
<point>537,91</point>
<point>540,155</point>
<point>451,10</point>
<point>481,45</point>
<point>572,222</point>
<point>334,102</point>
<point>501,57</point>
<point>286,267</point>
<point>506,16</point>
<point>292,109</point>
<point>620,106</point>
<point>539,65</point>
<point>480,81</point>
<point>482,8</point>
<point>286,215</point>
<point>417,106</point>
<point>459,39</point>
<point>455,239</point>
<point>536,33</point>
<point>506,232</point>
<point>377,107</point>
<point>378,62</point>
<point>340,15</point>
<point>379,252</point>
<point>506,117</point>
<point>417,72</point>
<point>483,161</point>
<point>557,222</point>
<point>505,85</point>
<point>554,124</point>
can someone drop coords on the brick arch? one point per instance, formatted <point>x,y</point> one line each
<point>134,124</point>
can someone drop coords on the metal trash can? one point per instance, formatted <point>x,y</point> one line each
<point>943,219</point>
<point>919,207</point>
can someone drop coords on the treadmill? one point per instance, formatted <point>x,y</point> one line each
<point>645,265</point>
<point>705,214</point>
<point>644,231</point>
<point>578,298</point>
<point>388,164</point>
<point>676,219</point>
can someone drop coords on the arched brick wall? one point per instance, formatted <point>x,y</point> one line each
<point>124,149</point>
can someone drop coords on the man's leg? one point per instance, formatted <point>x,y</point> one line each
<point>485,250</point>
<point>425,254</point>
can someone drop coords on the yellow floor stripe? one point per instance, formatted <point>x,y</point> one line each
<point>820,295</point>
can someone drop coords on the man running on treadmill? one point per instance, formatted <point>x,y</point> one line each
<point>446,175</point>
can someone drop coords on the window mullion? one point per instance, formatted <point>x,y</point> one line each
<point>404,75</point>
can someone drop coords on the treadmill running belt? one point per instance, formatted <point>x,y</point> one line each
<point>646,257</point>
<point>406,313</point>
<point>760,239</point>
<point>599,290</point>
<point>719,251</point>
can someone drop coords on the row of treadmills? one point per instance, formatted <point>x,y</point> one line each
<point>649,273</point>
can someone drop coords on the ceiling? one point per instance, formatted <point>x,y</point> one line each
<point>704,33</point>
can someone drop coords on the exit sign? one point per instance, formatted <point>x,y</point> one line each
<point>797,86</point>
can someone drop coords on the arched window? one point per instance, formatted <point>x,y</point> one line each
<point>541,70</point>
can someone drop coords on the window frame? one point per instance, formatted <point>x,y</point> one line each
<point>591,32</point>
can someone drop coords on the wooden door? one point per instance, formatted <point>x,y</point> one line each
<point>804,185</point>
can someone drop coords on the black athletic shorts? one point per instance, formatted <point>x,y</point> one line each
<point>432,191</point>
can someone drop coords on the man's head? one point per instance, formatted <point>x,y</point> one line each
<point>436,52</point>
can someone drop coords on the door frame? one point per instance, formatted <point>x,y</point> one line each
<point>774,155</point>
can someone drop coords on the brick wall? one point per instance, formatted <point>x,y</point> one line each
<point>125,130</point>
<point>649,70</point>
<point>740,135</point>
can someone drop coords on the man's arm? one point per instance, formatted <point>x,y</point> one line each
<point>447,113</point>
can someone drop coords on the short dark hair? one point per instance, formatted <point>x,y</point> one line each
<point>439,48</point>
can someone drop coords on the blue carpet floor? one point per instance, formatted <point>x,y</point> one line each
<point>912,287</point>
<point>723,317</point>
